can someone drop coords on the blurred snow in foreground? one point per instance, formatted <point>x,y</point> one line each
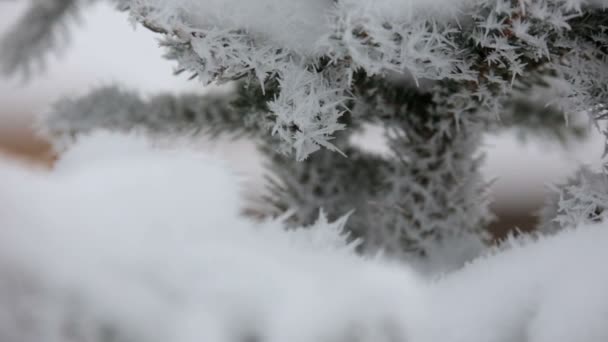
<point>124,241</point>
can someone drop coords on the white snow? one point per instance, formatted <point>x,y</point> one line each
<point>146,244</point>
<point>553,289</point>
<point>294,23</point>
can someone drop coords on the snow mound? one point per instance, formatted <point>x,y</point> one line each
<point>127,242</point>
<point>539,290</point>
<point>124,241</point>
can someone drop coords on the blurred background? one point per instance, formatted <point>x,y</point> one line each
<point>106,49</point>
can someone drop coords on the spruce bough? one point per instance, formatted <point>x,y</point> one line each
<point>435,75</point>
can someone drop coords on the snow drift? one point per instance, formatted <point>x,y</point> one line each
<point>127,242</point>
<point>124,242</point>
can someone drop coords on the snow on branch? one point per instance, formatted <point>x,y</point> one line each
<point>483,48</point>
<point>303,93</point>
<point>582,200</point>
<point>315,48</point>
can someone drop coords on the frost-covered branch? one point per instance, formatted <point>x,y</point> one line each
<point>433,189</point>
<point>418,198</point>
<point>582,200</point>
<point>501,45</point>
<point>532,120</point>
<point>313,49</point>
<point>435,75</point>
<point>42,29</point>
<point>338,185</point>
<point>115,109</point>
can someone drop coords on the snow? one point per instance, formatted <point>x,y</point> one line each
<point>148,242</point>
<point>145,243</point>
<point>552,289</point>
<point>296,24</point>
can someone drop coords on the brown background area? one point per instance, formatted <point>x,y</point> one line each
<point>21,143</point>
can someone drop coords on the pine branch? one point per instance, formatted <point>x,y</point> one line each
<point>41,31</point>
<point>121,110</point>
<point>532,120</point>
<point>583,199</point>
<point>325,181</point>
<point>434,190</point>
<point>428,192</point>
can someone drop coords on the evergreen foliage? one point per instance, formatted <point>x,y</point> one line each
<point>43,29</point>
<point>582,200</point>
<point>435,75</point>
